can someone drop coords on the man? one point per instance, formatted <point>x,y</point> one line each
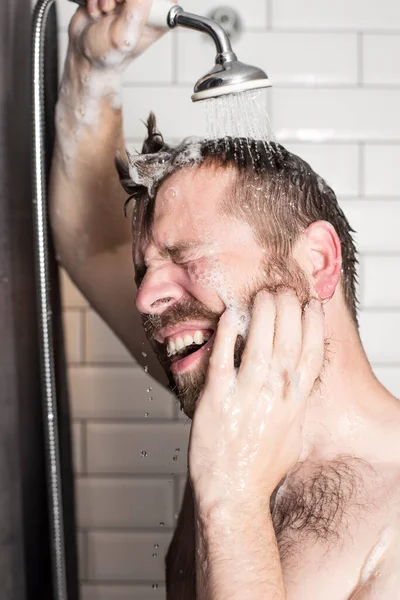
<point>246,274</point>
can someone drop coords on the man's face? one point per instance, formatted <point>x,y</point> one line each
<point>198,263</point>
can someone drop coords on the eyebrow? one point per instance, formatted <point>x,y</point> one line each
<point>176,250</point>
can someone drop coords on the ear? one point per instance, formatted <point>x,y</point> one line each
<point>326,257</point>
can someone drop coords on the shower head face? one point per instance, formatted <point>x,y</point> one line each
<point>230,77</point>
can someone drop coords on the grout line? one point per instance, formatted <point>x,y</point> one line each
<point>360,286</point>
<point>131,421</point>
<point>305,30</point>
<point>295,85</point>
<point>269,14</point>
<point>83,335</point>
<point>361,169</point>
<point>175,54</point>
<point>84,448</point>
<point>124,582</point>
<point>360,59</point>
<point>151,477</point>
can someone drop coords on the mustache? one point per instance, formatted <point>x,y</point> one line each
<point>186,310</point>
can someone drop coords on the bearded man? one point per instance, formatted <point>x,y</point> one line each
<point>245,268</point>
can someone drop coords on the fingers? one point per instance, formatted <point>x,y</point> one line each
<point>288,332</point>
<point>257,355</point>
<point>96,7</point>
<point>127,29</point>
<point>313,347</point>
<point>221,365</point>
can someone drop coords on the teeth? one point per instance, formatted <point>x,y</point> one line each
<point>179,343</point>
<point>198,338</point>
<point>171,348</point>
<point>188,340</point>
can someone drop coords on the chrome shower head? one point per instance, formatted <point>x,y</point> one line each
<point>229,75</point>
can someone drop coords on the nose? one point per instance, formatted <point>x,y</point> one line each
<point>158,291</point>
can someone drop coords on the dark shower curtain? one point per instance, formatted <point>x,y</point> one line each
<point>25,551</point>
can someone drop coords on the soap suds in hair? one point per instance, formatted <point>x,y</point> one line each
<point>148,170</point>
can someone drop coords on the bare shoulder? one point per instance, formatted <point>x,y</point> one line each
<point>380,574</point>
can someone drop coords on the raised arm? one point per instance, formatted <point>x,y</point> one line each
<point>92,236</point>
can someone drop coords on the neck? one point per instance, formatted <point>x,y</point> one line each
<point>350,412</point>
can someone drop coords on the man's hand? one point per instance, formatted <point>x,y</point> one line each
<point>110,33</point>
<point>247,429</point>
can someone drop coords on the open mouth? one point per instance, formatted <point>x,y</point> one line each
<point>188,356</point>
<point>185,348</point>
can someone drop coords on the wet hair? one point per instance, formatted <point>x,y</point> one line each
<point>275,191</point>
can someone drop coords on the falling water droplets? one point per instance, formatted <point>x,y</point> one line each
<point>143,453</point>
<point>156,546</point>
<point>155,586</point>
<point>149,389</point>
<point>144,354</point>
<point>243,117</point>
<point>146,368</point>
<point>162,523</point>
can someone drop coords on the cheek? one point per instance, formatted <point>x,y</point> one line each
<point>212,277</point>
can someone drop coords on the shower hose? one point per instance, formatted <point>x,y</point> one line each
<point>47,363</point>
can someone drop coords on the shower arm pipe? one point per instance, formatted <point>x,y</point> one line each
<point>177,16</point>
<point>46,350</point>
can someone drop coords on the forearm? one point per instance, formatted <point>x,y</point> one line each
<point>86,197</point>
<point>237,556</point>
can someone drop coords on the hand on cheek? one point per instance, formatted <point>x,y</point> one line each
<point>247,429</point>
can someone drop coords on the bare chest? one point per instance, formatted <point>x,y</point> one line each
<point>328,524</point>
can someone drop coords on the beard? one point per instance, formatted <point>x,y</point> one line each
<point>276,276</point>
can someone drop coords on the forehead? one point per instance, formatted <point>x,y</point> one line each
<point>188,204</point>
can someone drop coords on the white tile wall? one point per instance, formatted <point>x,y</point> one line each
<point>335,66</point>
<point>381,59</point>
<point>341,14</point>
<point>273,51</point>
<point>380,175</point>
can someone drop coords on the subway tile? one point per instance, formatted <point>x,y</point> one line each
<point>376,223</point>
<point>338,164</point>
<point>390,377</point>
<point>137,448</point>
<point>111,392</point>
<point>381,59</point>
<point>65,11</point>
<point>77,447</point>
<point>73,330</point>
<point>341,14</point>
<point>340,114</point>
<point>123,592</point>
<point>381,281</point>
<point>71,296</point>
<point>114,556</point>
<point>124,503</point>
<point>102,345</point>
<point>380,332</point>
<point>253,14</point>
<point>315,61</point>
<point>381,179</point>
<point>177,116</point>
<point>82,558</point>
<point>156,64</point>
